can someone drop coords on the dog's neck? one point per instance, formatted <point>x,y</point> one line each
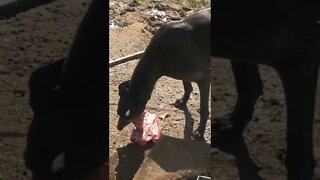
<point>144,79</point>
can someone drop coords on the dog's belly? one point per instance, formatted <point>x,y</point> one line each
<point>192,64</point>
<point>268,47</point>
<point>193,74</point>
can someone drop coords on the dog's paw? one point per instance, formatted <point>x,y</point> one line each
<point>180,103</point>
<point>197,136</point>
<point>224,134</point>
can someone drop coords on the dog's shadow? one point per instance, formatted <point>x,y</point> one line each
<point>132,156</point>
<point>174,154</point>
<point>130,159</point>
<point>189,122</point>
<point>15,7</point>
<point>171,154</point>
<point>12,134</point>
<point>247,169</point>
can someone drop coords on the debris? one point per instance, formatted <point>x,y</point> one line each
<point>203,177</point>
<point>164,116</point>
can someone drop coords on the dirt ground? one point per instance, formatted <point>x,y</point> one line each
<point>44,34</point>
<point>259,156</point>
<point>28,40</point>
<point>174,155</point>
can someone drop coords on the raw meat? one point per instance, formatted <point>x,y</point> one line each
<point>147,127</point>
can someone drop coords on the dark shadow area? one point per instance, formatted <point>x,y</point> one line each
<point>173,154</point>
<point>12,134</point>
<point>130,160</point>
<point>248,170</point>
<point>188,128</point>
<point>11,9</point>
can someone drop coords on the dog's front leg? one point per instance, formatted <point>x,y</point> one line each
<point>300,81</point>
<point>204,88</point>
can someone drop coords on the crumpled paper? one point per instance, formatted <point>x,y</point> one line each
<point>147,127</point>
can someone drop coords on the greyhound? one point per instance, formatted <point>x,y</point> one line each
<point>285,40</point>
<point>181,50</point>
<point>67,138</point>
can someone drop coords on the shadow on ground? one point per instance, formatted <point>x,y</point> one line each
<point>247,169</point>
<point>11,9</point>
<point>167,155</point>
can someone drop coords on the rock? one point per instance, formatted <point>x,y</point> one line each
<point>130,9</point>
<point>134,3</point>
<point>164,116</point>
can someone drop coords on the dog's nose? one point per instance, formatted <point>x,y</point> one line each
<point>119,128</point>
<point>119,125</point>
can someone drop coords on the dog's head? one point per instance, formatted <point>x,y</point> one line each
<point>128,107</point>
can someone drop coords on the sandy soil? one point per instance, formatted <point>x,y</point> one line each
<point>175,155</point>
<point>259,156</point>
<point>30,39</point>
<point>44,34</point>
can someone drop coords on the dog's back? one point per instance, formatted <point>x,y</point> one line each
<point>259,30</point>
<point>182,48</point>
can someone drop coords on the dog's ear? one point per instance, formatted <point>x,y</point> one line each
<point>123,88</point>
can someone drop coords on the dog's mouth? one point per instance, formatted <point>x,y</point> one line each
<point>123,122</point>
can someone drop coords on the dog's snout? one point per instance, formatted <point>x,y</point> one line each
<point>119,127</point>
<point>122,123</point>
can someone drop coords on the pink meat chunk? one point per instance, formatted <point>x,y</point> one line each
<point>147,128</point>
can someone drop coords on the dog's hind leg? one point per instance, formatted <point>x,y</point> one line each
<point>299,79</point>
<point>249,88</point>
<point>204,88</point>
<point>187,91</point>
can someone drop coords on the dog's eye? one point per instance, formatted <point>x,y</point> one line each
<point>128,113</point>
<point>123,92</point>
<point>123,88</point>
